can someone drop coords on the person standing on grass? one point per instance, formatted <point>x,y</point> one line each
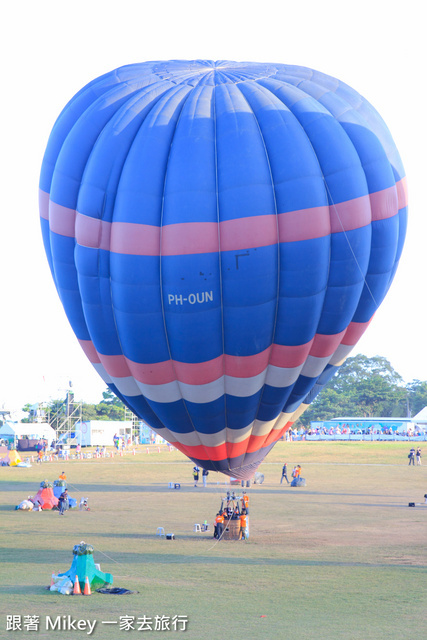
<point>63,502</point>
<point>418,455</point>
<point>243,524</point>
<point>284,473</point>
<point>205,474</point>
<point>411,456</point>
<point>196,475</point>
<point>219,525</point>
<point>245,501</point>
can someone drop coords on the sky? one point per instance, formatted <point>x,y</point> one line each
<point>50,50</point>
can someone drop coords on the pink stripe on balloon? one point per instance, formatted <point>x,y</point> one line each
<point>354,332</point>
<point>353,214</point>
<point>298,225</point>
<point>201,372</point>
<point>115,366</point>
<point>402,193</point>
<point>90,351</point>
<point>248,233</point>
<point>190,238</point>
<point>155,373</point>
<point>384,204</point>
<point>289,356</point>
<point>247,366</point>
<point>135,239</point>
<point>93,233</point>
<point>205,372</point>
<point>62,220</point>
<point>282,356</point>
<point>324,346</point>
<point>188,373</point>
<point>44,204</point>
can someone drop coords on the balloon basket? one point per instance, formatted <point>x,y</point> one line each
<point>232,530</point>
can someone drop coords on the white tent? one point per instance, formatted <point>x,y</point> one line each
<point>91,433</point>
<point>31,430</point>
<point>421,417</point>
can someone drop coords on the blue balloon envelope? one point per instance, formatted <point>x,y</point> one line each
<point>220,235</point>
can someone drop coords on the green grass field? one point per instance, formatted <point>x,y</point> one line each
<point>343,558</point>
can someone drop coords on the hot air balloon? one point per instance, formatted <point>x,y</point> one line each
<point>220,235</point>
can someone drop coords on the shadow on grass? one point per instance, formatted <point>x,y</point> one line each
<point>26,487</point>
<point>30,556</point>
<point>124,558</point>
<point>287,491</point>
<point>27,590</point>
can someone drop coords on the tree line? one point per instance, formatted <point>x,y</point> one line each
<point>367,387</point>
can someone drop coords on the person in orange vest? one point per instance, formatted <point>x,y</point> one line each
<point>63,476</point>
<point>243,524</point>
<point>245,500</point>
<point>295,472</point>
<point>219,525</point>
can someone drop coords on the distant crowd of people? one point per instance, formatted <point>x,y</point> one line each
<point>347,431</point>
<point>122,442</point>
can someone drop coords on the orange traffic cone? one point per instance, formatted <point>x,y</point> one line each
<point>77,590</point>
<point>87,591</point>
